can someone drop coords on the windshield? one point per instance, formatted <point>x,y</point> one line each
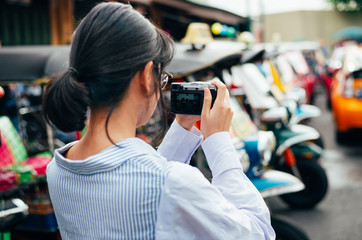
<point>298,62</point>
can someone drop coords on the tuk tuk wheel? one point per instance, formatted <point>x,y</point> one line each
<point>341,137</point>
<point>315,180</point>
<point>285,230</point>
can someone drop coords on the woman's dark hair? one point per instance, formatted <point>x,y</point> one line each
<point>110,45</point>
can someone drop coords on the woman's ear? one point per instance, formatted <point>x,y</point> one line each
<point>147,78</point>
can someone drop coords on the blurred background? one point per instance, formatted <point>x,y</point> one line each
<point>53,21</point>
<point>293,68</point>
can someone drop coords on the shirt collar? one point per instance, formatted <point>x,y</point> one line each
<point>107,159</point>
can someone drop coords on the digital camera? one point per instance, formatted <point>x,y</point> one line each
<point>188,98</point>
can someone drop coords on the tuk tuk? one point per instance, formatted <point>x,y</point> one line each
<point>26,140</point>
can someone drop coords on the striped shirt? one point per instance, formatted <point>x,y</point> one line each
<point>133,192</point>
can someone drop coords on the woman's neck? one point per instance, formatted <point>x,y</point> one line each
<point>135,108</point>
<point>121,125</point>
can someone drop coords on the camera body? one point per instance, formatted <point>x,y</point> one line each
<point>188,98</point>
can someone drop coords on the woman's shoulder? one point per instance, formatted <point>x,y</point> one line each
<point>132,153</point>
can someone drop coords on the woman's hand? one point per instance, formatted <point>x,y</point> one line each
<point>218,118</point>
<point>187,121</point>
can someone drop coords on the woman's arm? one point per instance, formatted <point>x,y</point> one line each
<point>192,208</point>
<point>180,144</point>
<point>229,178</point>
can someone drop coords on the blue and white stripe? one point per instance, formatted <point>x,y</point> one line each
<point>112,195</point>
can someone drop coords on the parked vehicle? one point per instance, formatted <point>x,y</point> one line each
<point>27,68</point>
<point>296,151</point>
<point>278,82</point>
<point>317,59</point>
<point>259,146</point>
<point>297,154</point>
<point>346,95</point>
<point>334,63</point>
<point>287,67</point>
<point>263,94</point>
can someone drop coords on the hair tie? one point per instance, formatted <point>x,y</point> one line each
<point>72,69</point>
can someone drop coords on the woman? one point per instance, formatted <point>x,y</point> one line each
<point>111,185</point>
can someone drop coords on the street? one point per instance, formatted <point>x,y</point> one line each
<point>338,216</point>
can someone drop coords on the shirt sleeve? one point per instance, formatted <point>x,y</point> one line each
<point>229,208</point>
<point>179,144</point>
<point>228,176</point>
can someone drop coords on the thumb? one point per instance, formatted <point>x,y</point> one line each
<point>207,101</point>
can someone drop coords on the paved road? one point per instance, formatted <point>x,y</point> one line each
<point>339,216</point>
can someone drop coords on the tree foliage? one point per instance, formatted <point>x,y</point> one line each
<point>347,5</point>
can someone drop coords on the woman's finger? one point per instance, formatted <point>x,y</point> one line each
<point>207,102</point>
<point>221,91</point>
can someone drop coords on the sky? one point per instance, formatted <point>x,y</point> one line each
<point>269,6</point>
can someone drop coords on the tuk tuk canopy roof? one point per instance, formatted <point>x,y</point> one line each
<point>26,64</point>
<point>187,61</point>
